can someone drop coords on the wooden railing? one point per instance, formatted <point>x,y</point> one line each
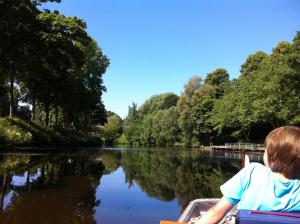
<point>240,146</point>
<point>246,146</point>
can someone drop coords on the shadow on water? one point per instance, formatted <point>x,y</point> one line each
<point>87,186</point>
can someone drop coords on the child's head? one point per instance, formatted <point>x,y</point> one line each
<point>283,151</point>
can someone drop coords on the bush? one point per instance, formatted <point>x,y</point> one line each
<point>122,140</point>
<point>16,132</point>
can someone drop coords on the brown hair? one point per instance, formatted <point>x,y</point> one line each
<point>283,150</point>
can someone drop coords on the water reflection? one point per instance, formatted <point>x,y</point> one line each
<point>49,189</point>
<point>108,186</point>
<point>184,176</point>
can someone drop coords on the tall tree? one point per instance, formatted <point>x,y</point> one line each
<point>158,102</point>
<point>18,21</point>
<point>184,108</point>
<point>165,130</point>
<point>253,62</point>
<point>203,128</point>
<point>132,125</point>
<point>112,129</point>
<point>218,79</point>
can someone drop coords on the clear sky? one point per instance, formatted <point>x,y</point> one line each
<point>156,46</point>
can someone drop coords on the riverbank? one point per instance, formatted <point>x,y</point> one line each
<point>15,132</point>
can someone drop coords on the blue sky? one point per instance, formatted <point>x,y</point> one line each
<point>156,46</point>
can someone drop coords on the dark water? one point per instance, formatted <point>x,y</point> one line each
<point>108,186</point>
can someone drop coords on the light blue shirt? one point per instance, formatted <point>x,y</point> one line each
<point>256,187</point>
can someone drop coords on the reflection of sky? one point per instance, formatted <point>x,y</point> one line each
<point>121,204</point>
<point>7,199</point>
<point>21,180</point>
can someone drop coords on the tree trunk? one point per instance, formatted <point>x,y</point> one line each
<point>11,92</point>
<point>28,181</point>
<point>56,116</point>
<point>69,119</point>
<point>33,110</point>
<point>50,118</point>
<point>28,178</point>
<point>42,179</point>
<point>52,174</point>
<point>4,189</point>
<point>65,119</point>
<point>47,110</point>
<point>275,122</point>
<point>247,135</point>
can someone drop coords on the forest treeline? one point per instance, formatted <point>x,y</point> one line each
<point>50,75</point>
<point>51,68</point>
<point>216,109</point>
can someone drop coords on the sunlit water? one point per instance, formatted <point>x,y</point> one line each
<point>109,186</point>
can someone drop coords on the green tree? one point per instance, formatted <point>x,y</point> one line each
<point>277,101</point>
<point>112,129</point>
<point>154,123</point>
<point>218,79</point>
<point>184,108</point>
<point>147,133</point>
<point>158,102</point>
<point>253,62</point>
<point>237,109</point>
<point>190,103</point>
<point>132,125</point>
<point>68,78</point>
<point>203,128</point>
<point>18,19</point>
<point>91,82</point>
<point>293,60</point>
<point>267,93</point>
<point>165,127</point>
<point>62,37</point>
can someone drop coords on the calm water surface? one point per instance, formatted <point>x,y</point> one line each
<point>108,186</point>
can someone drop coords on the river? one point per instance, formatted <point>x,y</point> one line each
<point>108,186</point>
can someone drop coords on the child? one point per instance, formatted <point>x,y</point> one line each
<point>273,187</point>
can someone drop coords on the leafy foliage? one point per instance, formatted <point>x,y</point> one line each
<point>154,123</point>
<point>15,131</point>
<point>51,64</point>
<point>267,92</point>
<point>112,129</point>
<point>265,96</point>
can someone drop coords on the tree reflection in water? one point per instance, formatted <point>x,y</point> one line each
<point>181,175</point>
<point>62,188</point>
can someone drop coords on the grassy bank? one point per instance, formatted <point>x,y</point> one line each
<point>17,132</point>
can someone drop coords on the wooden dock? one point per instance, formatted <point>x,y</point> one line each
<point>239,147</point>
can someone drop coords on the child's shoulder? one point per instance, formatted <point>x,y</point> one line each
<point>257,165</point>
<point>257,168</point>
